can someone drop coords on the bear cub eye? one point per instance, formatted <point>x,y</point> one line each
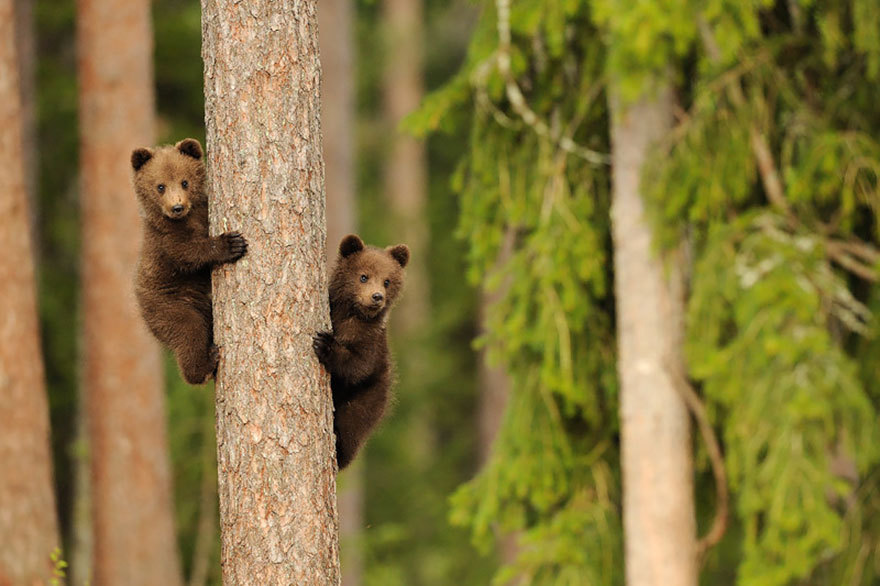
<point>363,278</point>
<point>387,282</point>
<point>184,183</point>
<point>161,188</point>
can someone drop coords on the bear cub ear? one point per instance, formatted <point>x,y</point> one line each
<point>350,244</point>
<point>400,253</point>
<point>139,158</point>
<point>190,147</point>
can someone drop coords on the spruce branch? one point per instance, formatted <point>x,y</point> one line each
<point>518,101</point>
<point>695,405</point>
<point>841,252</point>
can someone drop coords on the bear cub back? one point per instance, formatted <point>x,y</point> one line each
<point>365,283</point>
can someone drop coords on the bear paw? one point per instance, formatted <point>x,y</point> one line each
<point>236,245</point>
<point>321,344</point>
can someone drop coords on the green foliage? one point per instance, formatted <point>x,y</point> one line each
<point>58,567</point>
<point>759,323</point>
<point>534,219</point>
<point>773,317</point>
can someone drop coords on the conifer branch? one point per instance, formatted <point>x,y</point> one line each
<point>841,252</point>
<point>713,449</point>
<point>518,101</point>
<point>763,155</point>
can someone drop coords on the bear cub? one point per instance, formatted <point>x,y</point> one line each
<point>173,282</point>
<point>364,284</point>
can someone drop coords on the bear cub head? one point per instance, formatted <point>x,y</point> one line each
<point>170,180</point>
<point>367,279</point>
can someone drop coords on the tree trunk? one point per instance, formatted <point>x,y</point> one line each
<point>25,42</point>
<point>405,169</point>
<point>658,506</point>
<point>28,523</point>
<point>275,446</point>
<point>336,36</point>
<point>134,538</point>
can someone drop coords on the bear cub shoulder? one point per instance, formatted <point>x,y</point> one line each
<point>363,286</point>
<point>173,282</point>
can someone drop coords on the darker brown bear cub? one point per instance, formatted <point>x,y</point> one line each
<point>173,283</point>
<point>363,286</point>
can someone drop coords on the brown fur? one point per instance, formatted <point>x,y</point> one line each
<point>356,352</point>
<point>173,283</point>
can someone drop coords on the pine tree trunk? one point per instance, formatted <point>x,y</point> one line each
<point>405,169</point>
<point>25,41</point>
<point>28,523</point>
<point>336,35</point>
<point>132,507</point>
<point>275,446</point>
<point>658,505</point>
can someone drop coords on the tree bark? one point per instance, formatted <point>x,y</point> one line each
<point>658,506</point>
<point>275,446</point>
<point>28,523</point>
<point>336,36</point>
<point>132,506</point>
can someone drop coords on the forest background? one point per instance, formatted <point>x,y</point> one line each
<point>761,192</point>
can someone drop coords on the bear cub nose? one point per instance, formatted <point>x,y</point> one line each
<point>377,297</point>
<point>177,209</point>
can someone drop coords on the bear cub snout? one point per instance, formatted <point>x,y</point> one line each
<point>365,282</point>
<point>173,282</point>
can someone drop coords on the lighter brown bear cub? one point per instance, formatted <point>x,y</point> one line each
<point>173,283</point>
<point>365,283</point>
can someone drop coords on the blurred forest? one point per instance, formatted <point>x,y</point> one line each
<point>502,460</point>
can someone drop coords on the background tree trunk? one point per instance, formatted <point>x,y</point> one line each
<point>658,504</point>
<point>405,171</point>
<point>25,41</point>
<point>275,447</point>
<point>338,98</point>
<point>28,523</point>
<point>134,537</point>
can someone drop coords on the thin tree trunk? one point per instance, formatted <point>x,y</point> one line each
<point>28,523</point>
<point>336,36</point>
<point>658,506</point>
<point>132,506</point>
<point>275,447</point>
<point>25,41</point>
<point>495,388</point>
<point>405,170</point>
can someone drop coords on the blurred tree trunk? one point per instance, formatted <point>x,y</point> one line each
<point>336,36</point>
<point>494,392</point>
<point>405,169</point>
<point>28,523</point>
<point>25,41</point>
<point>275,448</point>
<point>658,505</point>
<point>134,537</point>
<point>406,190</point>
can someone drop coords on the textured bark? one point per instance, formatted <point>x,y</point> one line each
<point>132,507</point>
<point>336,36</point>
<point>405,169</point>
<point>275,447</point>
<point>28,525</point>
<point>658,506</point>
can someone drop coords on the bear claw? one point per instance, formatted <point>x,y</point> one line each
<point>236,245</point>
<point>321,345</point>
